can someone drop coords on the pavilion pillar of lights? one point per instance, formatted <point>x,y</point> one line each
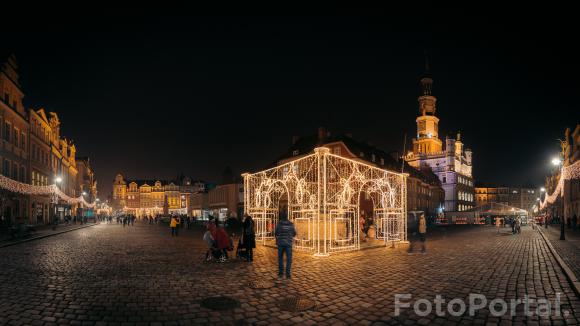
<point>321,194</point>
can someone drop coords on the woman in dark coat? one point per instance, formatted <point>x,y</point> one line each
<point>249,237</point>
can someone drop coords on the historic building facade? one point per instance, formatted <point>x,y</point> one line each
<point>523,198</point>
<point>572,187</point>
<point>86,183</point>
<point>152,197</point>
<point>14,144</point>
<point>450,161</point>
<point>33,152</point>
<point>567,202</point>
<point>40,163</point>
<point>424,191</point>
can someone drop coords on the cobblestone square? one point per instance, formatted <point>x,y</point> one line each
<point>110,275</point>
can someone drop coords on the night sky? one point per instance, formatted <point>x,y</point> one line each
<point>156,96</point>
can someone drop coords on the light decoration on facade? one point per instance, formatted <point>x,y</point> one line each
<point>569,172</point>
<point>321,194</point>
<point>51,190</point>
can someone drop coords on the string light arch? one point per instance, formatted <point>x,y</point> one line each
<point>569,172</point>
<point>321,193</point>
<point>51,191</point>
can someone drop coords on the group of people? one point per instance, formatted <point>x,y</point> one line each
<point>126,220</point>
<point>219,243</point>
<point>514,222</point>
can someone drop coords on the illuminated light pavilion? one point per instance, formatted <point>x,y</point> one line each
<point>321,194</point>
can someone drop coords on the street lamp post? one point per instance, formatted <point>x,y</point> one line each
<point>57,181</point>
<point>558,162</point>
<point>539,200</point>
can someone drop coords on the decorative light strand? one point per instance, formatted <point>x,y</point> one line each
<point>566,173</point>
<point>51,190</point>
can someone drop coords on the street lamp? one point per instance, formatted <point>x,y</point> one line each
<point>556,161</point>
<point>84,193</point>
<point>58,179</point>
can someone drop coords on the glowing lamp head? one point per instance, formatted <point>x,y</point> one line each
<point>58,180</point>
<point>542,189</point>
<point>84,193</point>
<point>556,161</point>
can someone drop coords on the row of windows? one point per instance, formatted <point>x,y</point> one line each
<point>13,104</point>
<point>465,196</point>
<point>462,207</point>
<point>464,181</point>
<point>39,179</point>
<point>38,129</point>
<point>13,135</point>
<point>13,170</point>
<point>39,155</point>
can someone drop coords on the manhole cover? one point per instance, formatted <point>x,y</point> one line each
<point>220,303</point>
<point>296,304</point>
<point>260,284</point>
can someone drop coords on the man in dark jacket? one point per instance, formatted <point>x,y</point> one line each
<point>285,233</point>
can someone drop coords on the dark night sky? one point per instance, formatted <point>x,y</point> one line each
<point>155,96</point>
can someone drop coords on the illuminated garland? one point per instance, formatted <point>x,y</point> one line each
<point>51,190</point>
<point>567,173</point>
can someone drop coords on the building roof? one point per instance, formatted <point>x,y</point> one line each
<point>306,145</point>
<point>150,182</point>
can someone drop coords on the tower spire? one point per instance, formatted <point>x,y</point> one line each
<point>427,68</point>
<point>426,80</point>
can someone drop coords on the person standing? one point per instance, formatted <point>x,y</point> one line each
<point>285,233</point>
<point>248,237</point>
<point>173,225</point>
<point>223,242</point>
<point>422,232</point>
<point>497,223</point>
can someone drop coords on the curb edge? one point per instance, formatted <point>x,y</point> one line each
<point>567,271</point>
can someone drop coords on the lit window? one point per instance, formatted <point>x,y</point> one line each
<point>382,161</point>
<point>373,157</point>
<point>295,152</point>
<point>336,150</point>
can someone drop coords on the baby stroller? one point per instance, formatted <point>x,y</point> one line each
<point>212,251</point>
<point>241,250</point>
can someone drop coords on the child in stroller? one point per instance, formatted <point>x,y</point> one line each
<point>212,251</point>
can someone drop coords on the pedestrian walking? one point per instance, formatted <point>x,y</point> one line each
<point>497,223</point>
<point>249,237</point>
<point>173,226</point>
<point>285,233</point>
<point>422,232</point>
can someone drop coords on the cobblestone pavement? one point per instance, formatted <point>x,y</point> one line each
<point>568,249</point>
<point>110,275</point>
<point>40,231</point>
